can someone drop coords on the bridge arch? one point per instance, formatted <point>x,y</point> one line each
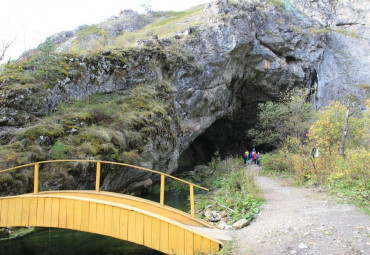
<point>128,218</point>
<point>105,218</point>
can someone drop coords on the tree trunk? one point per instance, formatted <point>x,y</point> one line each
<point>345,130</point>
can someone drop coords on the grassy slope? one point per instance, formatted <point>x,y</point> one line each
<point>162,24</point>
<point>163,28</point>
<point>107,126</point>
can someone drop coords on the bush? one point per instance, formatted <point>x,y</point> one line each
<point>348,175</point>
<point>58,151</point>
<point>278,161</point>
<point>236,189</point>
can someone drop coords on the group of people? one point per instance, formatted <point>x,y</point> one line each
<point>252,157</point>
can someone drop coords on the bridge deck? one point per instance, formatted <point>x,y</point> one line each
<point>137,220</point>
<point>140,203</point>
<point>69,210</point>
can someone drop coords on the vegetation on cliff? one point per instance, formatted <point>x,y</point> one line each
<point>63,105</point>
<point>163,28</point>
<point>111,127</point>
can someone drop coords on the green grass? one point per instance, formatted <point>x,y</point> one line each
<point>89,30</point>
<point>232,187</point>
<point>39,71</point>
<point>345,32</point>
<point>227,248</point>
<point>278,4</point>
<point>163,28</point>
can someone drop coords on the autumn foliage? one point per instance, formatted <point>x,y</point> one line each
<point>348,174</point>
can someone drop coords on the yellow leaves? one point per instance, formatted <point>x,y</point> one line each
<point>326,132</point>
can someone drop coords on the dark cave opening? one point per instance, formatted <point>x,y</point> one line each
<point>220,136</point>
<point>228,135</point>
<point>225,136</point>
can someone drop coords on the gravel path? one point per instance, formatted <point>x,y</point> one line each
<point>302,221</point>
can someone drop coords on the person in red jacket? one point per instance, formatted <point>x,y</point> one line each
<point>254,157</point>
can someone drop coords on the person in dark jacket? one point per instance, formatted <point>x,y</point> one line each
<point>258,159</point>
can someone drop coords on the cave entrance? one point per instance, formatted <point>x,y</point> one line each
<point>228,135</point>
<point>224,136</point>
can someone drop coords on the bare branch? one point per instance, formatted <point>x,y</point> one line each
<point>4,49</point>
<point>228,208</point>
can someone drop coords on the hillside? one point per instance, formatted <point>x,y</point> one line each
<point>166,90</point>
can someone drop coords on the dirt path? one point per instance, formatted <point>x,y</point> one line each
<point>301,221</point>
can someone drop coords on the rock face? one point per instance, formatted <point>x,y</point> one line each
<point>236,56</point>
<point>346,59</point>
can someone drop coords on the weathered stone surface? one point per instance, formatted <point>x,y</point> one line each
<point>302,246</point>
<point>212,215</point>
<point>346,58</point>
<point>223,225</point>
<point>240,224</point>
<point>140,185</point>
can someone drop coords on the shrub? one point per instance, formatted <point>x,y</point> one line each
<point>101,115</point>
<point>130,157</point>
<point>347,174</point>
<point>58,151</point>
<point>236,189</point>
<point>278,161</point>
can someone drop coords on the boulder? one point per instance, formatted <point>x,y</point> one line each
<point>240,224</point>
<point>223,225</point>
<point>140,184</point>
<point>212,215</point>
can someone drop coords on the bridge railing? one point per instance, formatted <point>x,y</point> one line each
<point>36,166</point>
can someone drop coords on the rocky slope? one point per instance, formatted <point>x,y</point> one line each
<point>225,58</point>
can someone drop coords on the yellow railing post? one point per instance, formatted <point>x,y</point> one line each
<point>192,200</point>
<point>36,179</point>
<point>162,190</point>
<point>97,184</point>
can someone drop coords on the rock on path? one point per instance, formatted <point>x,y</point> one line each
<point>301,221</point>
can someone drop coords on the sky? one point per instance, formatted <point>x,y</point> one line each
<point>29,22</point>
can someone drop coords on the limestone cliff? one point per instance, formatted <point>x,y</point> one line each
<point>223,59</point>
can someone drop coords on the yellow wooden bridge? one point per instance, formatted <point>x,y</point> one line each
<point>125,217</point>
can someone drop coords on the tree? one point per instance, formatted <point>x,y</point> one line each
<point>46,62</point>
<point>352,107</point>
<point>345,129</point>
<point>4,48</point>
<point>277,121</point>
<point>147,7</point>
<point>328,131</point>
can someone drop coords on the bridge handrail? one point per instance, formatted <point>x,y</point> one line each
<point>98,169</point>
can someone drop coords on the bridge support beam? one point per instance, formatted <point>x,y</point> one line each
<point>161,200</point>
<point>192,201</point>
<point>97,183</point>
<point>36,179</point>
